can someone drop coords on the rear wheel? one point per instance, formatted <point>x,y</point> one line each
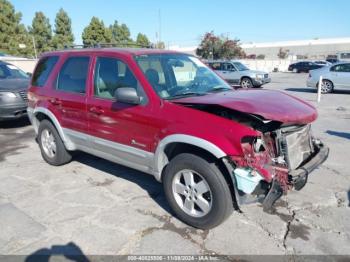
<point>51,145</point>
<point>326,87</point>
<point>246,83</point>
<point>197,191</point>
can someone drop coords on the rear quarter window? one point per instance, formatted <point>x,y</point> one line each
<point>43,70</point>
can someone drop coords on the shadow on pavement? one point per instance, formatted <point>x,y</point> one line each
<point>339,134</point>
<point>145,181</point>
<point>313,90</point>
<point>16,123</point>
<point>349,198</point>
<point>301,89</point>
<point>69,251</point>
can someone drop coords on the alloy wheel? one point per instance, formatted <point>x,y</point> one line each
<point>192,193</point>
<point>326,87</point>
<point>48,143</point>
<point>246,83</point>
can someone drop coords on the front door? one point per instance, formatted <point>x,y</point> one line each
<point>119,132</point>
<point>231,73</point>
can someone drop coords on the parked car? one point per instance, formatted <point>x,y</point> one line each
<point>236,73</point>
<point>322,62</point>
<point>304,66</point>
<point>332,60</point>
<point>167,114</point>
<point>13,91</point>
<point>334,77</point>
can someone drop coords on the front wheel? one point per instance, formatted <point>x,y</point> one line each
<point>246,83</point>
<point>295,70</point>
<point>197,191</point>
<point>326,87</point>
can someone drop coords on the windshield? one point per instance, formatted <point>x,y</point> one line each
<point>8,71</point>
<point>240,66</point>
<point>177,75</point>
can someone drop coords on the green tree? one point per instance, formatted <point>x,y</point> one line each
<point>96,33</point>
<point>63,30</point>
<point>120,34</point>
<point>12,32</point>
<point>210,46</point>
<point>231,49</point>
<point>218,47</point>
<point>41,31</point>
<point>142,40</point>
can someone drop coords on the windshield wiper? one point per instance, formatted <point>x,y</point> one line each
<point>187,94</point>
<point>219,89</point>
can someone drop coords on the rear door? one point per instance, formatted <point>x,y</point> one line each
<point>119,132</point>
<point>68,96</point>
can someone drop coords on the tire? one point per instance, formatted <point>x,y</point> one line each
<point>208,209</point>
<point>295,70</point>
<point>51,145</point>
<point>246,82</point>
<point>327,87</point>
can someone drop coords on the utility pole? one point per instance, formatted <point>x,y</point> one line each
<point>36,56</point>
<point>160,27</point>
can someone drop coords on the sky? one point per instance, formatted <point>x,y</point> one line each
<point>183,22</point>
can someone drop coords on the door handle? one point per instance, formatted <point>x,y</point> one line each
<point>96,110</point>
<point>55,101</point>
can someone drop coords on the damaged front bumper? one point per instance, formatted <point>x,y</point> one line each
<point>299,176</point>
<point>250,185</point>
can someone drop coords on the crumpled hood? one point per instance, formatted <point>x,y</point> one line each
<point>269,104</point>
<point>13,85</point>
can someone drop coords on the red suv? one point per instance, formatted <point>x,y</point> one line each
<point>167,114</point>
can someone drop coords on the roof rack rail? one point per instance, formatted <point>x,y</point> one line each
<point>102,45</point>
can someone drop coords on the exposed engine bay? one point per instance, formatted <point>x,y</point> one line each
<point>273,163</point>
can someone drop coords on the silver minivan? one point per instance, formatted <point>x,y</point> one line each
<point>237,73</point>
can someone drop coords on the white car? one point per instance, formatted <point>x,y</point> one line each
<point>323,63</point>
<point>334,77</point>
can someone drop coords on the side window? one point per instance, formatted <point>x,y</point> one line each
<point>341,68</point>
<point>229,67</point>
<point>215,66</point>
<point>347,68</point>
<point>111,74</point>
<point>2,71</point>
<point>43,70</point>
<point>73,74</point>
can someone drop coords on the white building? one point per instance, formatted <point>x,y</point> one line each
<point>311,49</point>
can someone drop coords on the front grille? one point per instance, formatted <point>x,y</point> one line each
<point>266,76</point>
<point>23,95</point>
<point>296,145</point>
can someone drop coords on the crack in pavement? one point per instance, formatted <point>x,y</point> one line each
<point>185,232</point>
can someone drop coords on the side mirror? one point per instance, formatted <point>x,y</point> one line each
<point>127,95</point>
